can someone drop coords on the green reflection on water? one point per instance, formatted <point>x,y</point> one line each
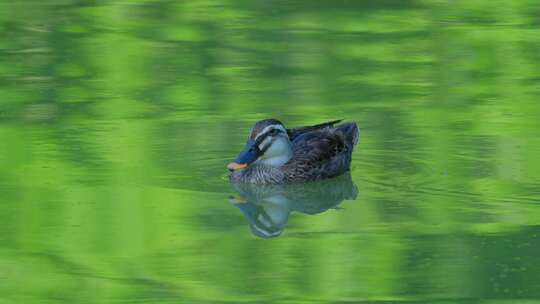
<point>117,120</point>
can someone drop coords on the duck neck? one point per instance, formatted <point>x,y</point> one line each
<point>277,161</point>
<point>278,154</point>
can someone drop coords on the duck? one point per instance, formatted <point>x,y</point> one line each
<point>275,154</point>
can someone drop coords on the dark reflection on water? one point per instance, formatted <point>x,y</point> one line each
<point>267,207</point>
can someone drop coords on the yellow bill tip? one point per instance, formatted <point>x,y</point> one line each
<point>235,166</point>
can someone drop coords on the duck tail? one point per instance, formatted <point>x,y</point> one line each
<point>350,132</point>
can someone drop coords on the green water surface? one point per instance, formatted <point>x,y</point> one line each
<point>117,119</point>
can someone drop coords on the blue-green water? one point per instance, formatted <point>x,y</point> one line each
<point>117,120</point>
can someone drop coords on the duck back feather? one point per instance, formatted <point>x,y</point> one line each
<point>321,153</point>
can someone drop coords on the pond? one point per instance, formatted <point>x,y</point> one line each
<point>118,119</point>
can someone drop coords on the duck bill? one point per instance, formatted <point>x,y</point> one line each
<point>245,158</point>
<point>235,166</point>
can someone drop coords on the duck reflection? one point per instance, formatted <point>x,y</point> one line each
<point>267,207</point>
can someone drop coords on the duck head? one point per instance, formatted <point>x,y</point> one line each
<point>268,144</point>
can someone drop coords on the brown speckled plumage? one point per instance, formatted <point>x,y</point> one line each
<point>319,152</point>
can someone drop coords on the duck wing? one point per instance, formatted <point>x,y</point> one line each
<point>294,133</point>
<point>322,153</point>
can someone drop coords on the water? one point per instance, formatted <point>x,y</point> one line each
<point>117,120</point>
